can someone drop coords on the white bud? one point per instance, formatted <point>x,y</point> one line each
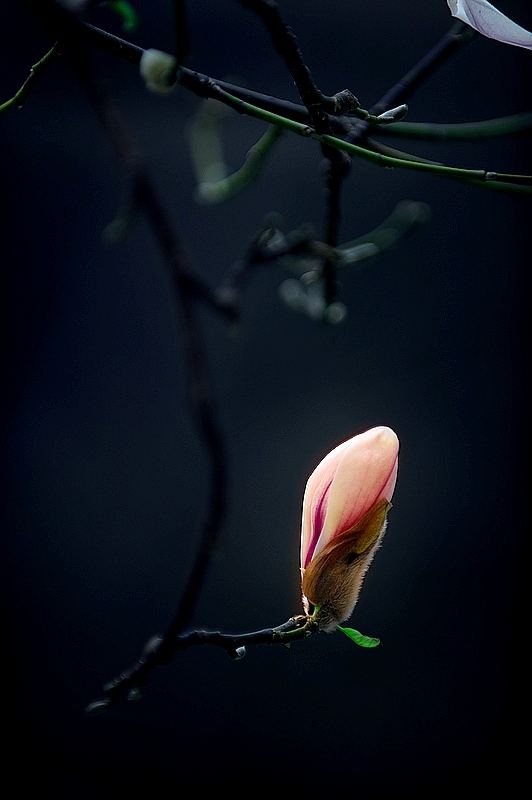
<point>393,115</point>
<point>159,70</point>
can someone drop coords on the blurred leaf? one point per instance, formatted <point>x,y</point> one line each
<point>130,18</point>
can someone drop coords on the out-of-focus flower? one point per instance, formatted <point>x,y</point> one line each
<point>489,21</point>
<point>159,70</point>
<point>346,501</point>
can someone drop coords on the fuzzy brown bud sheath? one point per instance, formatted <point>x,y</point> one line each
<point>346,501</point>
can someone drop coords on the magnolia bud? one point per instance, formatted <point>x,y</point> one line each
<point>346,501</point>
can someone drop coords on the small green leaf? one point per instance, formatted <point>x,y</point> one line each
<point>130,18</point>
<point>359,638</point>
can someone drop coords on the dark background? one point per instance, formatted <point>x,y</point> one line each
<point>106,480</point>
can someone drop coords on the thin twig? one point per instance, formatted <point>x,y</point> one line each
<point>285,42</point>
<point>218,191</point>
<point>337,170</point>
<point>158,651</point>
<point>458,35</point>
<point>337,165</point>
<point>36,72</point>
<point>194,81</point>
<point>479,176</point>
<point>461,131</point>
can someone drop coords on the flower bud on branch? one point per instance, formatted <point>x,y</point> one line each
<point>393,115</point>
<point>346,501</point>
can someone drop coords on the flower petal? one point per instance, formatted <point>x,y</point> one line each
<point>345,485</point>
<point>315,501</point>
<point>490,22</point>
<point>366,473</point>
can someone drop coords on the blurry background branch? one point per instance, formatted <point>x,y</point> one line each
<point>199,389</point>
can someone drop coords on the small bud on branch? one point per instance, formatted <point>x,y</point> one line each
<point>393,115</point>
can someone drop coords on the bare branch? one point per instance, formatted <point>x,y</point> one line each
<point>159,650</point>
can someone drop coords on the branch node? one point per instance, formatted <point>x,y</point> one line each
<point>344,102</point>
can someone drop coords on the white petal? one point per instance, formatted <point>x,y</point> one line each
<point>489,21</point>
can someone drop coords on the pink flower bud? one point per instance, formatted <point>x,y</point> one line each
<point>346,501</point>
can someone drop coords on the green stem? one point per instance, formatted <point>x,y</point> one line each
<point>219,191</point>
<point>35,73</point>
<point>385,150</point>
<point>502,126</point>
<point>479,176</point>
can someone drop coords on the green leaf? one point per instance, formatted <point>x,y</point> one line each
<point>130,18</point>
<point>359,638</point>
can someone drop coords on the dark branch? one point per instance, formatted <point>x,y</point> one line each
<point>456,36</point>
<point>204,85</point>
<point>159,650</point>
<point>285,42</point>
<point>199,393</point>
<point>337,169</point>
<point>195,81</point>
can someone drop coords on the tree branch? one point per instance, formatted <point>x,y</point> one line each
<point>285,42</point>
<point>480,176</point>
<point>461,131</point>
<point>458,35</point>
<point>159,650</point>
